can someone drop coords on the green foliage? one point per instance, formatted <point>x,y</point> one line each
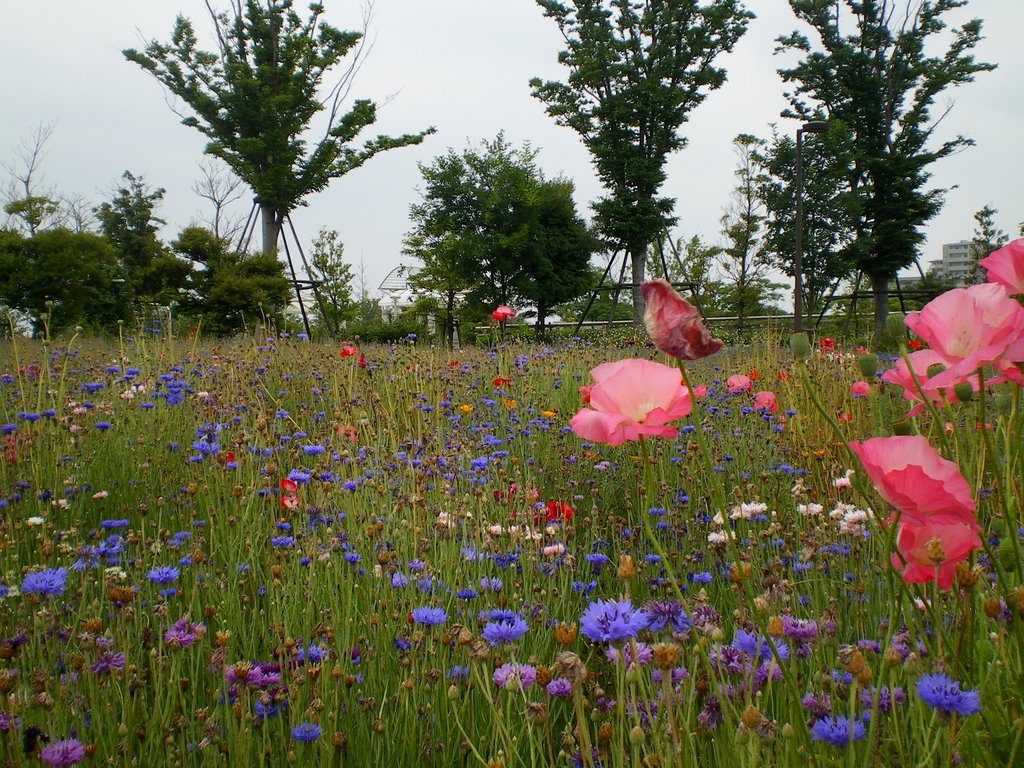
<point>635,73</point>
<point>987,238</point>
<point>152,274</point>
<point>880,82</point>
<point>744,261</point>
<point>491,226</point>
<point>33,210</point>
<point>61,279</point>
<point>255,97</point>
<point>336,306</point>
<point>386,333</point>
<point>230,291</point>
<point>830,211</point>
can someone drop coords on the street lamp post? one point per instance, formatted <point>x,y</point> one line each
<point>815,126</point>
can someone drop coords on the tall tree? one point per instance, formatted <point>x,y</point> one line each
<point>880,82</point>
<point>830,212</point>
<point>636,71</point>
<point>129,222</point>
<point>492,226</point>
<point>255,98</point>
<point>744,260</point>
<point>987,238</point>
<point>334,276</point>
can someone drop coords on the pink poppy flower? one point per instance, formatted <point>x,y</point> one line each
<point>1006,266</point>
<point>738,383</point>
<point>700,390</point>
<point>860,389</point>
<point>924,390</point>
<point>503,312</point>
<point>765,401</point>
<point>911,476</point>
<point>970,328</point>
<point>632,398</point>
<point>921,545</point>
<point>674,324</point>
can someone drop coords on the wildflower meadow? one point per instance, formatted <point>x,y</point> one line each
<point>271,551</point>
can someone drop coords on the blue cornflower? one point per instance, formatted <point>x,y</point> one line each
<point>611,621</point>
<point>282,541</point>
<point>758,647</point>
<point>429,616</point>
<point>306,732</point>
<point>48,582</point>
<point>163,574</point>
<point>838,731</point>
<point>504,630</point>
<point>940,692</point>
<point>666,613</point>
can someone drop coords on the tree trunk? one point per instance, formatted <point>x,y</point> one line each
<point>449,320</point>
<point>637,256</point>
<point>880,292</point>
<point>271,227</point>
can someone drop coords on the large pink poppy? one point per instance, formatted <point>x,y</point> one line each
<point>923,391</point>
<point>913,478</point>
<point>632,398</point>
<point>970,328</point>
<point>674,324</point>
<point>1006,266</point>
<point>919,544</point>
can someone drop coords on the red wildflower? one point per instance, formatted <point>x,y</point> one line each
<point>558,512</point>
<point>502,382</point>
<point>289,494</point>
<point>347,351</point>
<point>361,361</point>
<point>503,313</point>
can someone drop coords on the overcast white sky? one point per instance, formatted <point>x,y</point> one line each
<point>462,66</point>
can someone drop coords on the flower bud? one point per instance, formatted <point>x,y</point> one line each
<point>867,365</point>
<point>964,391</point>
<point>800,346</point>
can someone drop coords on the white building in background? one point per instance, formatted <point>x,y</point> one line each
<point>956,262</point>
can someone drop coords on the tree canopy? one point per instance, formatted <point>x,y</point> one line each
<point>870,69</point>
<point>492,226</point>
<point>256,96</point>
<point>636,71</point>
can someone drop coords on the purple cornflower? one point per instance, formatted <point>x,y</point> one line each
<point>48,582</point>
<point>612,621</point>
<point>799,629</point>
<point>559,688</point>
<point>666,613</point>
<point>940,692</point>
<point>108,662</point>
<point>755,646</point>
<point>514,677</point>
<point>838,731</point>
<point>886,698</point>
<point>429,616</point>
<point>183,633</point>
<point>644,654</point>
<point>306,732</point>
<point>504,630</point>
<point>63,753</point>
<point>163,574</point>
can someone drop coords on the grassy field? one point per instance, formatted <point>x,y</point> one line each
<point>259,552</point>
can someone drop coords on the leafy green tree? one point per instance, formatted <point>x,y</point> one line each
<point>152,274</point>
<point>61,278</point>
<point>336,306</point>
<point>987,238</point>
<point>881,81</point>
<point>491,226</point>
<point>830,212</point>
<point>254,98</point>
<point>694,263</point>
<point>636,71</point>
<point>230,291</point>
<point>744,260</point>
